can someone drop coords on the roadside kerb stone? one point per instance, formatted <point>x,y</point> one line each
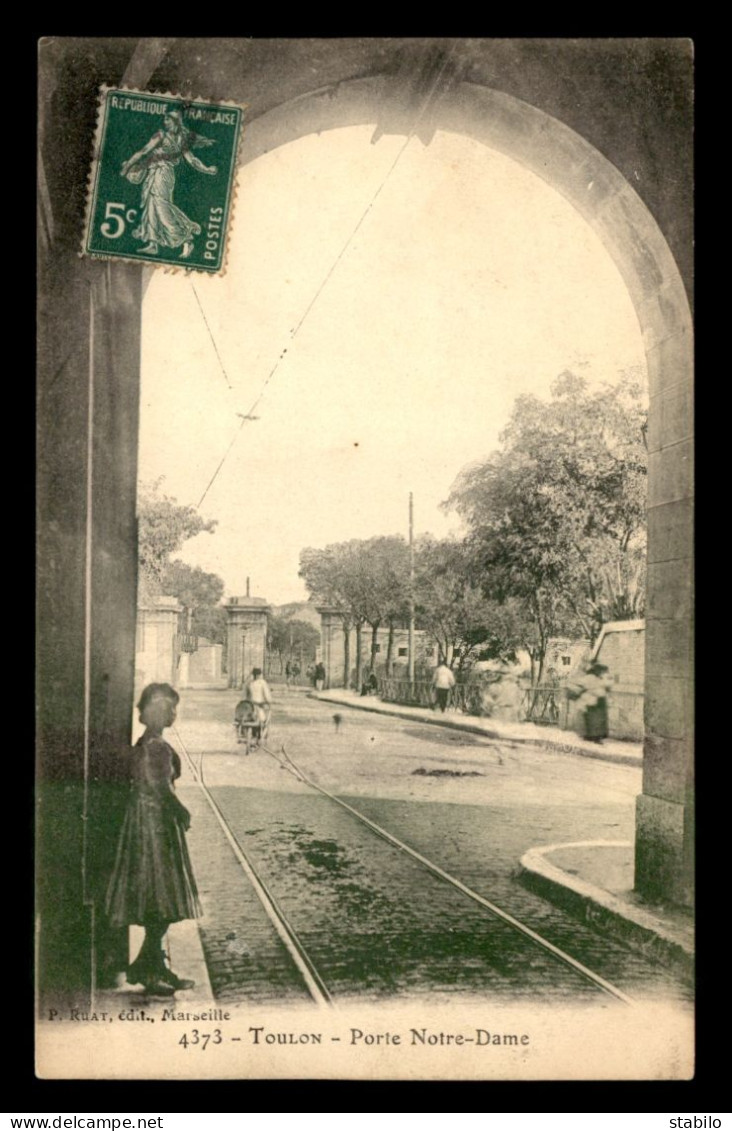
<point>572,744</point>
<point>633,925</point>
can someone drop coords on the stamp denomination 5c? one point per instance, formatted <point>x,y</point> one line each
<point>162,179</point>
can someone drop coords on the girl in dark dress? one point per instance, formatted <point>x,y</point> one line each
<point>152,883</point>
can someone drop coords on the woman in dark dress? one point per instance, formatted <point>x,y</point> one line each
<point>590,692</point>
<point>152,883</point>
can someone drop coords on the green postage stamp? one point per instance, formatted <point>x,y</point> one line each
<point>162,179</point>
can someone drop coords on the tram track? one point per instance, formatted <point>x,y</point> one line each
<point>293,944</point>
<point>313,979</point>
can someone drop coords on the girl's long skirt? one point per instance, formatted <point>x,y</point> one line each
<point>152,879</point>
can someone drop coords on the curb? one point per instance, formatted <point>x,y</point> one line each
<point>637,928</point>
<point>471,728</point>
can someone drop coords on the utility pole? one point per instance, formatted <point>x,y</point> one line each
<point>411,592</point>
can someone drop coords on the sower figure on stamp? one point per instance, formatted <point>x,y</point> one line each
<point>153,166</point>
<point>152,882</point>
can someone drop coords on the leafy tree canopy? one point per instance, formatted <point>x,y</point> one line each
<point>193,586</point>
<point>163,527</point>
<point>210,622</point>
<point>557,515</point>
<point>366,578</point>
<point>200,592</point>
<point>291,637</point>
<point>452,606</point>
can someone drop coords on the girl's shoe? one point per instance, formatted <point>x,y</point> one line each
<point>164,974</point>
<point>171,979</point>
<point>139,972</point>
<point>155,987</point>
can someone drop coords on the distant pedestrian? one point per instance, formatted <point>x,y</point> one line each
<point>550,707</point>
<point>319,677</point>
<point>596,688</point>
<point>590,691</point>
<point>370,685</point>
<point>288,674</point>
<point>443,682</point>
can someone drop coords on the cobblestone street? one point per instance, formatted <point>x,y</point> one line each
<point>373,921</point>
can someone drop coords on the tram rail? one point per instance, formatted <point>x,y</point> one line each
<point>314,981</point>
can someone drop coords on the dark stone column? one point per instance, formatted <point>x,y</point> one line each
<point>88,391</point>
<point>665,825</point>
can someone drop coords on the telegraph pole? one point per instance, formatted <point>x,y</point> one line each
<point>411,592</point>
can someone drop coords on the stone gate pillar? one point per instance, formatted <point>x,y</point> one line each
<point>332,646</point>
<point>246,636</point>
<point>156,650</point>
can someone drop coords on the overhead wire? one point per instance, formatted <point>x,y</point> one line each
<point>294,332</point>
<point>213,340</point>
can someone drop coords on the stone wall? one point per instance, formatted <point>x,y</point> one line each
<point>621,648</point>
<point>202,668</point>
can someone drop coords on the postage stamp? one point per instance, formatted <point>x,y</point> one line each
<point>162,179</point>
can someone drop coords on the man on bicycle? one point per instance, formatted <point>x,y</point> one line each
<point>257,692</point>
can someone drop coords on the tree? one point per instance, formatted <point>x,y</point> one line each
<point>394,563</point>
<point>163,527</point>
<point>293,639</point>
<point>367,581</point>
<point>451,604</point>
<point>193,586</point>
<point>211,622</point>
<point>382,583</point>
<point>200,592</point>
<point>330,576</point>
<point>557,515</point>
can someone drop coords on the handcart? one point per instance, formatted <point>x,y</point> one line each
<point>252,724</point>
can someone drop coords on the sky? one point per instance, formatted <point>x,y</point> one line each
<point>469,282</point>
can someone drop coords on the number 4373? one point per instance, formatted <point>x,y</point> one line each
<point>114,219</point>
<point>202,1039</point>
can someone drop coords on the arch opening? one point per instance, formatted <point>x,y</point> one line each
<point>629,233</point>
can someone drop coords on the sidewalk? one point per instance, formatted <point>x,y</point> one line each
<point>591,880</point>
<point>552,738</point>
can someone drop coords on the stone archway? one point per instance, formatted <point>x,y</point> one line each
<point>633,239</point>
<point>89,361</point>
